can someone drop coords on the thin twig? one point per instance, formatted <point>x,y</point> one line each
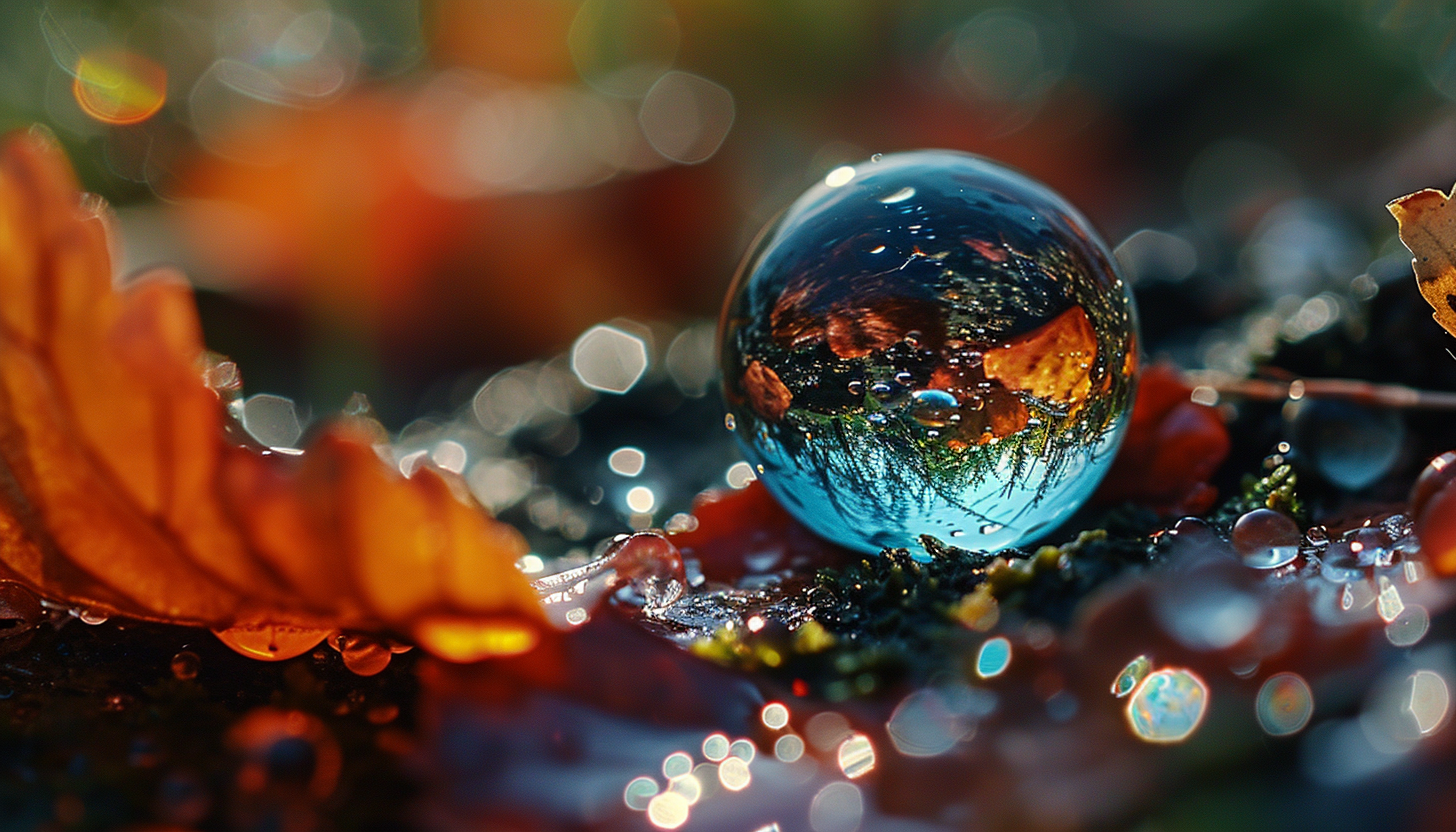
<point>1344,389</point>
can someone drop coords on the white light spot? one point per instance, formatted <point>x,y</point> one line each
<point>608,359</point>
<point>789,748</point>
<point>1429,701</point>
<point>677,764</point>
<point>641,499</point>
<point>627,461</point>
<point>499,483</point>
<point>272,420</point>
<point>1204,395</point>
<point>686,117</point>
<point>715,747</point>
<point>531,564</point>
<point>734,774</point>
<point>668,810</point>
<point>449,455</point>
<point>838,807</point>
<point>775,715</point>
<point>839,177</point>
<point>639,793</point>
<point>688,786</point>
<point>898,196</point>
<point>411,462</point>
<point>739,475</point>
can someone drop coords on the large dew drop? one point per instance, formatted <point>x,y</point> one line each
<point>928,343</point>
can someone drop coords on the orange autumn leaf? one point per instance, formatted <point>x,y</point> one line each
<point>1051,362</point>
<point>1427,224</point>
<point>119,492</point>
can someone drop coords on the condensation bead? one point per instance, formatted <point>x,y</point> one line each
<point>935,345</point>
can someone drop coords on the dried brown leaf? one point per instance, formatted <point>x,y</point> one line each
<point>119,492</point>
<point>1427,223</point>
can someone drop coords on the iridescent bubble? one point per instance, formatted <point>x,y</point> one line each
<point>1168,706</point>
<point>984,318</point>
<point>856,756</point>
<point>1284,704</point>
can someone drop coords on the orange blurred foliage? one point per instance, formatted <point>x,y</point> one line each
<point>333,212</point>
<point>1171,449</point>
<point>119,492</point>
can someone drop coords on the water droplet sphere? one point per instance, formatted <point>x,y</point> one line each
<point>929,343</point>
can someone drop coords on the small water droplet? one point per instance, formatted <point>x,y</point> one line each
<point>92,618</point>
<point>185,665</point>
<point>270,643</point>
<point>729,422</point>
<point>1347,598</point>
<point>363,655</point>
<point>992,528</point>
<point>1131,676</point>
<point>856,388</point>
<point>1266,539</point>
<point>876,157</point>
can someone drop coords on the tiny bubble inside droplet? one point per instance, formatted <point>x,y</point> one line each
<point>185,665</point>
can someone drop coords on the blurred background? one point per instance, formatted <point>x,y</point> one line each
<point>400,198</point>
